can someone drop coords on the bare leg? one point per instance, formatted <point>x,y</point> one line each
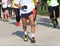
<point>24,21</point>
<point>31,20</point>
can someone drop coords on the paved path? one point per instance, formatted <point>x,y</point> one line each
<point>10,35</point>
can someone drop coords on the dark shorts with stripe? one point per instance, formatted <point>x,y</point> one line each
<point>26,15</point>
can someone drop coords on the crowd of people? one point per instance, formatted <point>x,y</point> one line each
<point>27,10</point>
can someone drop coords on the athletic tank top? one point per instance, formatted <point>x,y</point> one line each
<point>27,3</point>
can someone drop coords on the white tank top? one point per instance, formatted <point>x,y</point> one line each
<point>29,5</point>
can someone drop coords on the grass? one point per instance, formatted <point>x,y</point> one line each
<point>43,12</point>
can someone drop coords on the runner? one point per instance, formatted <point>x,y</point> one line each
<point>9,7</point>
<point>49,10</point>
<point>54,11</point>
<point>26,8</point>
<point>5,10</point>
<point>17,12</point>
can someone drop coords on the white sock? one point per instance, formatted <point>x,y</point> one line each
<point>33,35</point>
<point>25,32</point>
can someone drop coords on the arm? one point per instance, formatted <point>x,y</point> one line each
<point>18,5</point>
<point>21,7</point>
<point>1,3</point>
<point>35,2</point>
<point>58,2</point>
<point>48,2</point>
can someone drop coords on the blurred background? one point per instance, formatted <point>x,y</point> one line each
<point>43,8</point>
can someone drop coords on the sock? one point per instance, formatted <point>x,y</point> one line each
<point>33,35</point>
<point>25,32</point>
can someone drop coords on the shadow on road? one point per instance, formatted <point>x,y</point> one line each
<point>14,23</point>
<point>45,22</point>
<point>58,27</point>
<point>20,34</point>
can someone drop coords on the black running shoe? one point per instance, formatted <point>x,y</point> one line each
<point>33,40</point>
<point>56,22</point>
<point>54,25</point>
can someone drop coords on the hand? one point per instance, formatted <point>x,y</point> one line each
<point>3,3</point>
<point>24,7</point>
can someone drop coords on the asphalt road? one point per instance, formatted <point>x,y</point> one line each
<point>10,35</point>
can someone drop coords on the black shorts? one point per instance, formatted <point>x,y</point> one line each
<point>56,9</point>
<point>14,9</point>
<point>3,9</point>
<point>27,14</point>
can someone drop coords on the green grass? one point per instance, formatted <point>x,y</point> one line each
<point>43,12</point>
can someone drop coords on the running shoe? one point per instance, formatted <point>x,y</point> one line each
<point>6,20</point>
<point>25,38</point>
<point>33,40</point>
<point>54,24</point>
<point>17,24</point>
<point>57,23</point>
